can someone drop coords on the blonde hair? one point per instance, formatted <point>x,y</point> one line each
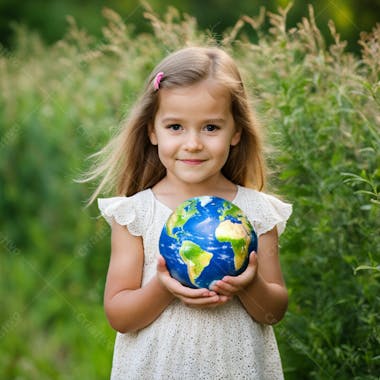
<point>129,163</point>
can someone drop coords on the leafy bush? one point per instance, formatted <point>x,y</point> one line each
<point>320,108</point>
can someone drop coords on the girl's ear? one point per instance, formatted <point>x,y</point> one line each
<point>152,134</point>
<point>236,138</point>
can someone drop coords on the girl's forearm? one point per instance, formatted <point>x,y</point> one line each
<point>265,302</point>
<point>132,310</point>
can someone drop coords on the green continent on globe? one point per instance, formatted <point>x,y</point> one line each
<point>236,234</point>
<point>180,216</point>
<point>230,209</point>
<point>195,258</point>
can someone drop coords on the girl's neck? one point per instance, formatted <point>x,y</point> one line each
<point>173,194</point>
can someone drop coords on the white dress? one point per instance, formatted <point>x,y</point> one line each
<point>187,343</point>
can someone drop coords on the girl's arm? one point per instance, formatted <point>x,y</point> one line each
<point>260,287</point>
<point>128,306</point>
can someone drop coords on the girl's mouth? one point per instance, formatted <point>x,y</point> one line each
<point>192,161</point>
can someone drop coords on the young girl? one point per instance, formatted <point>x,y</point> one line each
<point>192,133</point>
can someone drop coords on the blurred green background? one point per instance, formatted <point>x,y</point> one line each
<point>65,87</point>
<point>48,17</point>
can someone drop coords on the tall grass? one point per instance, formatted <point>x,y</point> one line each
<point>320,108</point>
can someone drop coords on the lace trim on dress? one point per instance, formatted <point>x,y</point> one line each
<point>277,214</point>
<point>265,211</point>
<point>122,210</point>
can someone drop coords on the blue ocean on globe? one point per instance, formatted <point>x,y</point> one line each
<point>205,239</point>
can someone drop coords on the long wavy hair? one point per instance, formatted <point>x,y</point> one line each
<point>129,163</point>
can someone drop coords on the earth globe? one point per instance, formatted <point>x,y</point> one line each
<point>205,239</point>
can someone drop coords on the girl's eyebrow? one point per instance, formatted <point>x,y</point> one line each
<point>217,120</point>
<point>178,119</point>
<point>170,120</point>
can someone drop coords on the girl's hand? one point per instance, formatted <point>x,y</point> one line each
<point>232,285</point>
<point>190,297</point>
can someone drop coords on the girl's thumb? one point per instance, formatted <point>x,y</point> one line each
<point>161,265</point>
<point>253,258</point>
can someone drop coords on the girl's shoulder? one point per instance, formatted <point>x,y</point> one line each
<point>129,211</point>
<point>264,210</point>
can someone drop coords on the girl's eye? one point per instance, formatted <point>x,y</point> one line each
<point>211,127</point>
<point>175,127</point>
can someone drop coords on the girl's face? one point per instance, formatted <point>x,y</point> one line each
<point>194,129</point>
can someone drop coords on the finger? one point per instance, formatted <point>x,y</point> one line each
<point>184,292</point>
<point>230,285</point>
<point>200,301</point>
<point>252,261</point>
<point>161,264</point>
<point>176,287</point>
<point>189,293</point>
<point>224,288</point>
<point>206,302</point>
<point>248,273</point>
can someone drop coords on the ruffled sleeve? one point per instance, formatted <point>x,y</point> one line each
<point>122,210</point>
<point>265,211</point>
<point>276,214</point>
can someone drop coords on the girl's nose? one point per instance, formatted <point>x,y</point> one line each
<point>193,142</point>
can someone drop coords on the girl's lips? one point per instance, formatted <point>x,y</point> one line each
<point>192,161</point>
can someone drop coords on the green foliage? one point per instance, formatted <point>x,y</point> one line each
<point>320,108</point>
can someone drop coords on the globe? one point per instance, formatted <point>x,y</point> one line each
<point>205,239</point>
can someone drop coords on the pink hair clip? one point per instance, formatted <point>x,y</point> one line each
<point>157,80</point>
